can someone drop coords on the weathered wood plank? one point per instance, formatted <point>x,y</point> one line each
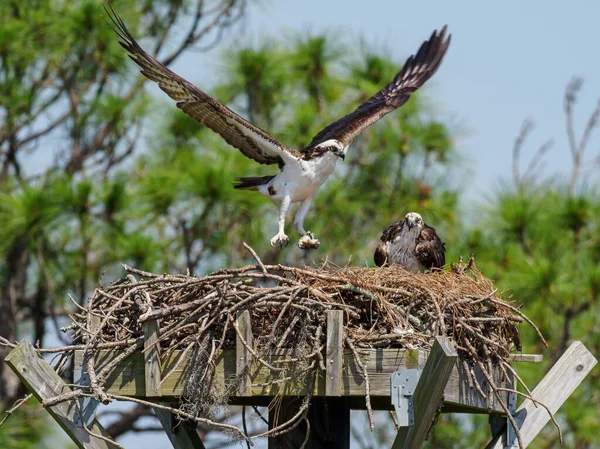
<point>39,377</point>
<point>182,434</point>
<point>553,390</point>
<point>531,358</point>
<point>243,357</point>
<point>334,354</point>
<point>128,377</point>
<point>152,375</point>
<point>428,394</point>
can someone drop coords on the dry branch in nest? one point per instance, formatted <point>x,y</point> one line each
<point>383,308</point>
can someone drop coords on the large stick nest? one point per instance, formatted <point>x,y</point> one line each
<point>383,307</point>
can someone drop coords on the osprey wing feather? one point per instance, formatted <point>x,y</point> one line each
<point>415,72</point>
<point>430,249</point>
<point>252,141</point>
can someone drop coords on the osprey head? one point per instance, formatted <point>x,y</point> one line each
<point>335,146</point>
<point>413,219</point>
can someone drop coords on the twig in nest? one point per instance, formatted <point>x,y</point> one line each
<point>363,367</point>
<point>306,434</point>
<point>64,397</point>
<point>493,386</point>
<point>525,317</point>
<point>109,440</point>
<point>109,367</point>
<point>180,359</point>
<point>182,414</point>
<point>253,352</point>
<point>291,424</point>
<point>504,365</point>
<point>528,396</point>
<point>15,407</point>
<point>258,261</point>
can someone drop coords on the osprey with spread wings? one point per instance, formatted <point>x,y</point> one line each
<point>301,172</point>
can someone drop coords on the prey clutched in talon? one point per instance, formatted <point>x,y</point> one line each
<point>308,241</point>
<point>280,240</point>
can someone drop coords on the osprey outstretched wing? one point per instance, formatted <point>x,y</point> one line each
<point>412,244</point>
<point>302,172</point>
<point>416,70</point>
<point>252,141</point>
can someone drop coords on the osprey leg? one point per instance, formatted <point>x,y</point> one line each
<point>281,239</point>
<point>308,240</point>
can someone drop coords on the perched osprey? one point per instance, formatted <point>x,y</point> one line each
<point>301,172</point>
<point>412,244</point>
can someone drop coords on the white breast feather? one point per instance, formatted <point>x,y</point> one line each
<point>402,251</point>
<point>301,179</point>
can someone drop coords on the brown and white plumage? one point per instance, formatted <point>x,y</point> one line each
<point>412,244</point>
<point>416,70</point>
<point>302,172</point>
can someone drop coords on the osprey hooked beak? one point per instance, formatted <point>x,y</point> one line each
<point>340,152</point>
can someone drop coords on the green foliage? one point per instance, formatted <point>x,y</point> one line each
<point>27,428</point>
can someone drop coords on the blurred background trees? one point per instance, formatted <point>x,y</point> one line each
<point>95,172</point>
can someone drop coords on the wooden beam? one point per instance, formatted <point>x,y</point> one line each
<point>428,394</point>
<point>334,354</point>
<point>39,377</point>
<point>87,405</point>
<point>553,390</point>
<point>243,357</point>
<point>127,379</point>
<point>182,434</point>
<point>531,358</point>
<point>152,375</point>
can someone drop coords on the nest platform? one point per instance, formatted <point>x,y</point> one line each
<point>309,343</point>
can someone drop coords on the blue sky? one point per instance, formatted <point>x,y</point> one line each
<point>508,61</point>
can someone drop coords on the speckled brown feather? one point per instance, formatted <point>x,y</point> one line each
<point>201,106</point>
<point>415,72</point>
<point>430,250</point>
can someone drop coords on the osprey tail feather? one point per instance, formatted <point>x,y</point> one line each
<point>251,182</point>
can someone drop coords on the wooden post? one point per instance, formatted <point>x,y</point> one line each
<point>328,417</point>
<point>553,390</point>
<point>243,357</point>
<point>182,434</point>
<point>39,377</point>
<point>334,353</point>
<point>428,394</point>
<point>152,374</point>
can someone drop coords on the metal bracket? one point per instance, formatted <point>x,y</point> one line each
<point>403,384</point>
<point>511,434</point>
